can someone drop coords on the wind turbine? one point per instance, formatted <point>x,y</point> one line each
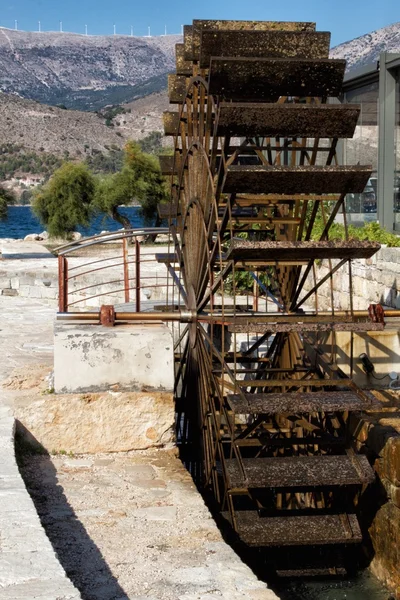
<point>115,30</point>
<point>16,25</point>
<point>61,30</point>
<point>131,30</point>
<point>85,29</point>
<point>148,35</point>
<point>39,27</point>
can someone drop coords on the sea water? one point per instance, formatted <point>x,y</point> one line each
<point>21,221</point>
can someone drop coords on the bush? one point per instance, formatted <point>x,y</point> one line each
<point>6,198</point>
<point>66,200</point>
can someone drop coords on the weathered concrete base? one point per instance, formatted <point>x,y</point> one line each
<point>92,423</point>
<point>378,434</point>
<point>91,358</point>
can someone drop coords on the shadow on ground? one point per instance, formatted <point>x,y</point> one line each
<point>81,559</point>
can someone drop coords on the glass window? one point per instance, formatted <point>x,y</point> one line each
<point>362,149</point>
<point>397,158</point>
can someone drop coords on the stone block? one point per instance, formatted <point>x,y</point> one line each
<point>5,283</point>
<point>9,292</point>
<point>92,423</point>
<point>59,588</point>
<point>22,567</point>
<point>391,460</point>
<point>49,293</point>
<point>385,535</point>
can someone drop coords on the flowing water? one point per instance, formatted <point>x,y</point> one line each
<point>363,587</point>
<point>21,221</point>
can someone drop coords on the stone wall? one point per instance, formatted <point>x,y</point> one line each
<point>375,280</point>
<point>92,423</point>
<point>38,279</point>
<point>377,434</point>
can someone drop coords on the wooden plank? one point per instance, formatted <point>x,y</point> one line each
<point>290,383</point>
<point>297,530</point>
<point>171,121</point>
<point>299,472</point>
<point>252,80</point>
<point>188,42</point>
<point>183,67</point>
<point>167,210</point>
<point>297,179</point>
<point>200,25</point>
<point>265,199</point>
<point>166,257</point>
<point>177,85</point>
<point>310,250</point>
<point>287,120</point>
<point>293,383</point>
<point>304,327</point>
<point>263,44</point>
<point>295,402</point>
<point>167,164</point>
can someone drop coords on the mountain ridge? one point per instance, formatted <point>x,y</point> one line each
<point>76,70</point>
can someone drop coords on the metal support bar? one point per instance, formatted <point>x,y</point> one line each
<point>137,259</point>
<point>62,284</point>
<point>386,141</point>
<point>126,268</point>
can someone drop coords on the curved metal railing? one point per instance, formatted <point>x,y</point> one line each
<point>114,278</point>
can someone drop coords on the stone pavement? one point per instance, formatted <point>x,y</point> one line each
<point>133,527</point>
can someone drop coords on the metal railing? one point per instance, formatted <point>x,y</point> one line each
<point>77,279</point>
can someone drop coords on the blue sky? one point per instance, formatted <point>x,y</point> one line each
<point>346,19</point>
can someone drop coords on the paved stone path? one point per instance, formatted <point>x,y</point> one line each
<point>133,526</point>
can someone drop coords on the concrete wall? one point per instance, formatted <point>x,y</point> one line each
<point>382,347</point>
<point>90,358</point>
<point>375,280</point>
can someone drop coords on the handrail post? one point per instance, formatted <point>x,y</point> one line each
<point>126,267</point>
<point>137,264</point>
<point>62,284</point>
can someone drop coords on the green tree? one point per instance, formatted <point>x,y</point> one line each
<point>6,198</point>
<point>66,200</point>
<point>140,179</point>
<point>114,190</point>
<point>152,186</point>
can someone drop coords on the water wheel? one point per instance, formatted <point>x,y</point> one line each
<point>256,187</point>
